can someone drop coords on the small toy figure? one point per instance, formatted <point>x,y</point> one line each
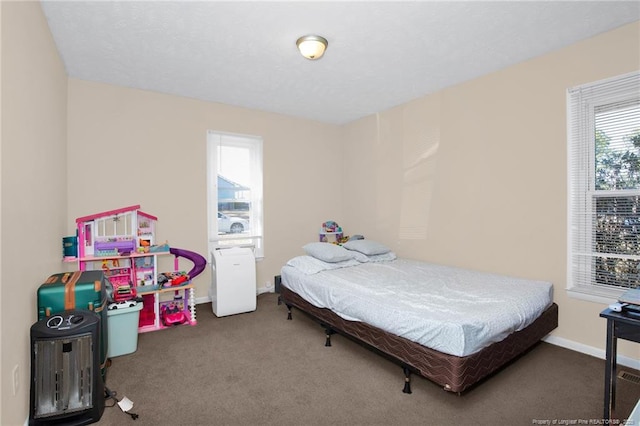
<point>331,226</point>
<point>159,248</point>
<point>168,279</point>
<point>330,232</point>
<point>124,292</point>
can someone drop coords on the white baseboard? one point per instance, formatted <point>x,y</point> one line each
<point>259,291</point>
<point>590,350</point>
<point>205,299</point>
<point>262,290</point>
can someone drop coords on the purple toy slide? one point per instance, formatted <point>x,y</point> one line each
<point>199,262</point>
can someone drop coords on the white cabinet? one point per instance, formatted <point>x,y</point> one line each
<point>233,281</point>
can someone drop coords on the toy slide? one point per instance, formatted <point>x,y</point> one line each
<point>199,262</point>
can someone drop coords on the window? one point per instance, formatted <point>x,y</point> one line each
<point>234,191</point>
<point>604,188</point>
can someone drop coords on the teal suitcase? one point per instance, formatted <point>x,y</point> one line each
<point>80,290</point>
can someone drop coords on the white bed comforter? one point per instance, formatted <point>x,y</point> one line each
<point>451,310</point>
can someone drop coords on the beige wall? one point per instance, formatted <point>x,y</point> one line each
<point>475,175</point>
<point>471,176</point>
<point>34,193</point>
<point>130,147</point>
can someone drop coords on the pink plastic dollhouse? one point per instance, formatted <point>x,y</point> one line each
<point>122,243</point>
<point>115,232</point>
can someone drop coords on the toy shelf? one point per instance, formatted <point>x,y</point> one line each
<point>150,316</point>
<point>160,326</point>
<point>117,256</point>
<point>149,289</point>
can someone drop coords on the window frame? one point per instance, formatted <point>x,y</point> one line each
<point>255,239</point>
<point>582,103</point>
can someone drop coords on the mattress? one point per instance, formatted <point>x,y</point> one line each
<point>452,310</point>
<point>453,373</point>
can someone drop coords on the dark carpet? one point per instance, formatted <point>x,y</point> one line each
<point>258,368</point>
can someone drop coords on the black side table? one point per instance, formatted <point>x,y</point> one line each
<point>620,325</point>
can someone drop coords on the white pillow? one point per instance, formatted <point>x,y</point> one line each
<point>360,257</point>
<point>327,252</point>
<point>310,265</point>
<point>367,247</point>
<point>384,257</point>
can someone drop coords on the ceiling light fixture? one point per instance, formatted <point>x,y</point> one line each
<point>312,46</point>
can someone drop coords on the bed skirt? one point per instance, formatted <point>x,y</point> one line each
<point>453,373</point>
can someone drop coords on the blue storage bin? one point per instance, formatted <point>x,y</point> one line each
<point>123,328</point>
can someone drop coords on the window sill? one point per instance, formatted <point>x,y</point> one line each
<point>595,294</point>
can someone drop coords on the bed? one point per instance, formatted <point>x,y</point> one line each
<point>452,326</point>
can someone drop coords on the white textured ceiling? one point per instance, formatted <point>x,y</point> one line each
<point>380,54</point>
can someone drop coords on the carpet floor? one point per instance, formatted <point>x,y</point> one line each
<point>257,368</point>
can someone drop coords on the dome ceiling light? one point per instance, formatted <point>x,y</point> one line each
<point>312,46</point>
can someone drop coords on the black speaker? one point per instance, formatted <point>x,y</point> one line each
<point>66,382</point>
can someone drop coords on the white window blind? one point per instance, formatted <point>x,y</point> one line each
<point>604,186</point>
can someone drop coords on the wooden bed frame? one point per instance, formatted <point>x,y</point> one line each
<point>453,373</point>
